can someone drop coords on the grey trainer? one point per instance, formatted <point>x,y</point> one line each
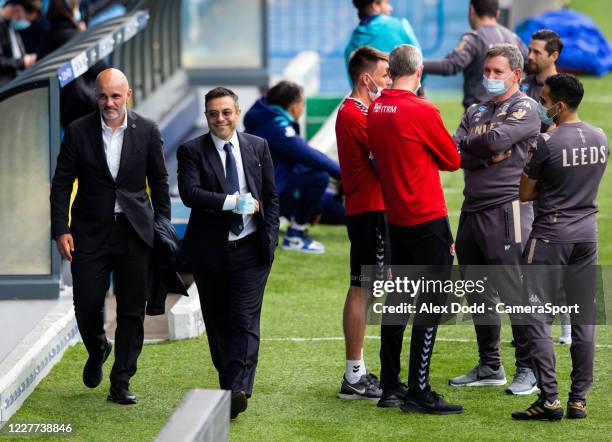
<point>367,387</point>
<point>524,382</point>
<point>480,376</point>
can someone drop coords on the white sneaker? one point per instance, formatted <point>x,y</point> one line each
<point>300,241</point>
<point>566,335</point>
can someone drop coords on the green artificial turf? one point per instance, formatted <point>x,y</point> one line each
<point>294,397</point>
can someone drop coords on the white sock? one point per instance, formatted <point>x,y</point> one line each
<point>354,370</point>
<point>296,226</point>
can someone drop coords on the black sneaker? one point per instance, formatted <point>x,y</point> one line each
<point>373,379</point>
<point>576,410</point>
<point>393,397</point>
<point>429,402</point>
<point>540,410</point>
<point>367,387</point>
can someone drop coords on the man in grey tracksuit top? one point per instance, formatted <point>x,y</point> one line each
<point>470,53</point>
<point>494,138</point>
<point>563,176</point>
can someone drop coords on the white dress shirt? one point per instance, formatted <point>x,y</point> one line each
<point>113,143</point>
<point>15,48</point>
<point>230,201</point>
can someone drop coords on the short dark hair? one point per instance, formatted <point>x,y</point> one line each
<point>485,8</point>
<point>285,93</point>
<point>364,59</point>
<point>552,39</point>
<point>29,6</point>
<point>362,7</point>
<point>566,88</point>
<point>219,92</point>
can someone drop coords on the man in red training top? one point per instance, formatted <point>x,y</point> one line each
<point>410,145</point>
<point>365,210</point>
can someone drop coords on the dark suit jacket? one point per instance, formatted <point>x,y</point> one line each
<point>201,182</point>
<point>9,66</point>
<point>165,277</point>
<point>82,157</point>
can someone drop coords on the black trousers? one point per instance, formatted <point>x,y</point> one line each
<point>495,237</point>
<point>127,257</point>
<point>427,244</point>
<point>231,303</point>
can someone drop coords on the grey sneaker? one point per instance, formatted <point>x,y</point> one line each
<point>367,387</point>
<point>480,376</point>
<point>566,335</point>
<point>524,382</point>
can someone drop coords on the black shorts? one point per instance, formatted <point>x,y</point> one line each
<point>369,242</point>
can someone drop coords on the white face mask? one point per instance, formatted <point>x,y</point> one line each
<point>419,85</point>
<point>374,95</point>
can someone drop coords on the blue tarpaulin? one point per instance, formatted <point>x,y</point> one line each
<point>585,48</point>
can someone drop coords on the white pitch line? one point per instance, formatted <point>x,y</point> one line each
<point>599,99</point>
<point>377,338</point>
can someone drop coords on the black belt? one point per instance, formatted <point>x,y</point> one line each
<point>233,245</point>
<point>117,217</point>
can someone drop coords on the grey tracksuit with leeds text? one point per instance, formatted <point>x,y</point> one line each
<point>561,254</point>
<point>494,226</point>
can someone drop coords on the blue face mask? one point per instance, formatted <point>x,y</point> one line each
<point>543,113</point>
<point>20,25</point>
<point>495,87</point>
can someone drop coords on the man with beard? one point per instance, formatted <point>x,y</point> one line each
<point>114,153</point>
<point>563,174</point>
<point>544,51</point>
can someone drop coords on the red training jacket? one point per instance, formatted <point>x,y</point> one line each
<point>361,185</point>
<point>410,145</point>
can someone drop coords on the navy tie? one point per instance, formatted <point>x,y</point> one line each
<point>233,187</point>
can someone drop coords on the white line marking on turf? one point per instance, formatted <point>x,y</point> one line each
<point>341,338</point>
<point>599,99</point>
